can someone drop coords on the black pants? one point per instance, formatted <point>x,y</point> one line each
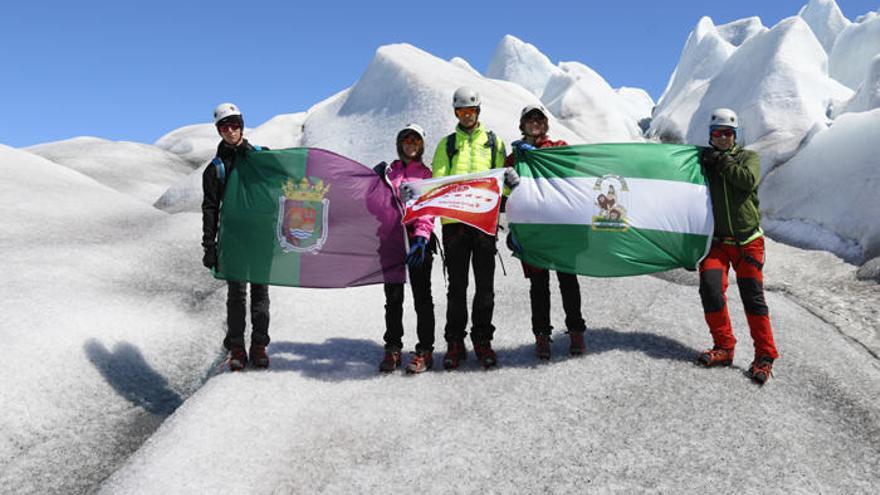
<point>539,294</point>
<point>466,246</point>
<point>235,314</point>
<point>420,284</point>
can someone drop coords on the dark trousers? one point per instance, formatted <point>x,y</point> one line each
<point>539,294</point>
<point>466,246</point>
<point>420,285</point>
<point>235,314</point>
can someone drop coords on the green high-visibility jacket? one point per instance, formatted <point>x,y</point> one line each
<point>472,154</point>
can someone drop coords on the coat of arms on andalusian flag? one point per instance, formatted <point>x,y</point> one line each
<point>302,215</point>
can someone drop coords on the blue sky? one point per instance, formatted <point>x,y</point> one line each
<point>136,70</point>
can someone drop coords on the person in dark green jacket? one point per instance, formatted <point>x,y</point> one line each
<point>471,148</point>
<point>733,174</point>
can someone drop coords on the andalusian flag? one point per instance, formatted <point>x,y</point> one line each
<point>611,210</point>
<point>309,218</point>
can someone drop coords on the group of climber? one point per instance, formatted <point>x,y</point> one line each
<point>732,174</point>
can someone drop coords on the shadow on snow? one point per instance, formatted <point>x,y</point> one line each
<point>132,377</point>
<point>339,359</point>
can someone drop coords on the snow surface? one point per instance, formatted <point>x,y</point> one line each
<point>108,322</point>
<point>109,294</point>
<point>832,183</point>
<point>135,169</point>
<point>632,415</point>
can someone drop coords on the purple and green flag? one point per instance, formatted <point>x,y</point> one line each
<point>307,217</point>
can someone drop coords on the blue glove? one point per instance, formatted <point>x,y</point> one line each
<point>521,145</point>
<point>416,255</point>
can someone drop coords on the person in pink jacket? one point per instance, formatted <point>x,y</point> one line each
<point>409,167</point>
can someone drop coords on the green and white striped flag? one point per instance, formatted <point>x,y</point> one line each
<point>611,210</point>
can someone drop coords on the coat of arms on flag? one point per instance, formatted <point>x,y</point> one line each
<point>302,215</point>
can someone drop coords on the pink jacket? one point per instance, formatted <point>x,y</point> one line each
<point>396,174</point>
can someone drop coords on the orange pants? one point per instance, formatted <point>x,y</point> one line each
<point>748,263</point>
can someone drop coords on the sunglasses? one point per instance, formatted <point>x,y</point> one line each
<point>717,133</point>
<point>411,140</point>
<point>461,112</point>
<point>229,127</point>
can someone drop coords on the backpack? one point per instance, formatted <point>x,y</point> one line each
<point>491,143</point>
<point>220,167</point>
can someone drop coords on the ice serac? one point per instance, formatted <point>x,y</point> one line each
<point>404,84</point>
<point>826,20</point>
<point>778,84</point>
<point>868,95</point>
<point>586,103</point>
<point>702,57</point>
<point>738,32</point>
<point>638,104</point>
<point>522,63</point>
<point>854,49</point>
<point>830,185</point>
<point>138,170</point>
<point>279,132</point>
<point>460,62</point>
<point>195,143</point>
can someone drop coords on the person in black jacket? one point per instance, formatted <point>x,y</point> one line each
<point>230,126</point>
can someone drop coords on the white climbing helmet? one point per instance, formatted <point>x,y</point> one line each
<point>411,127</point>
<point>531,108</point>
<point>224,110</point>
<point>724,117</point>
<point>465,97</point>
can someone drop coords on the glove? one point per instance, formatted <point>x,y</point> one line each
<point>521,145</point>
<point>210,257</point>
<point>711,158</point>
<point>513,244</point>
<point>407,192</point>
<point>511,178</point>
<point>416,255</point>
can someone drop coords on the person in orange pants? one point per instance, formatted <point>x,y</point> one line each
<point>732,174</point>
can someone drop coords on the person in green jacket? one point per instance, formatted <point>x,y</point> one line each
<point>471,148</point>
<point>733,174</point>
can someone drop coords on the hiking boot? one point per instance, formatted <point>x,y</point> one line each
<point>576,345</point>
<point>420,362</point>
<point>485,354</point>
<point>455,354</point>
<point>761,369</point>
<point>716,357</point>
<point>259,358</point>
<point>390,361</point>
<point>542,346</point>
<point>237,359</point>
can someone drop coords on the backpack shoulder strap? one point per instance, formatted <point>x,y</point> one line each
<point>450,151</point>
<point>491,143</point>
<point>219,169</point>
